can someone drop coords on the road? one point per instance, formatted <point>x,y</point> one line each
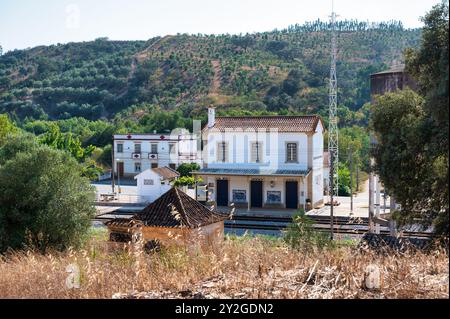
<point>360,205</point>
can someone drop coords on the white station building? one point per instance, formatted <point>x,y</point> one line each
<point>264,161</point>
<point>135,153</point>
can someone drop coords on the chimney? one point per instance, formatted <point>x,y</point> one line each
<point>211,116</point>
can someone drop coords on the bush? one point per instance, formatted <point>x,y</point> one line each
<point>300,234</point>
<point>185,169</point>
<point>186,181</point>
<point>44,201</point>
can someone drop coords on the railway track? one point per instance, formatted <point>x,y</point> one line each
<point>338,220</point>
<point>342,224</point>
<point>325,228</point>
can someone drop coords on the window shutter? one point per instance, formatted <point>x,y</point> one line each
<point>256,152</point>
<point>222,152</point>
<point>291,152</point>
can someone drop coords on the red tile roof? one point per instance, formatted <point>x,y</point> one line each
<point>288,123</point>
<point>177,209</point>
<point>166,172</point>
<point>123,222</point>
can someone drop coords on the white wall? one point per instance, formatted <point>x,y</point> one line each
<point>151,192</point>
<point>317,172</point>
<point>185,151</point>
<point>243,183</point>
<point>309,155</point>
<point>273,155</point>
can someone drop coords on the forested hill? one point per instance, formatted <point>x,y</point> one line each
<point>282,71</point>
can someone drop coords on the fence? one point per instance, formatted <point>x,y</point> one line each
<point>118,198</point>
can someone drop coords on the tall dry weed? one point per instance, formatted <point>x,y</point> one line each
<point>244,268</point>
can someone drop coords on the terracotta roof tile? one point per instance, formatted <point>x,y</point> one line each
<point>306,123</point>
<point>166,172</point>
<point>177,209</point>
<point>123,222</point>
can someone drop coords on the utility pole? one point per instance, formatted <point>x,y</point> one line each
<point>377,203</point>
<point>371,206</point>
<point>351,179</point>
<point>333,136</point>
<point>357,178</point>
<point>331,198</point>
<point>112,165</point>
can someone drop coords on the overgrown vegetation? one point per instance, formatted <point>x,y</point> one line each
<point>300,234</point>
<point>250,268</point>
<point>412,131</point>
<point>281,71</point>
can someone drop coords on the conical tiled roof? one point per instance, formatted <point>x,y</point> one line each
<point>177,209</point>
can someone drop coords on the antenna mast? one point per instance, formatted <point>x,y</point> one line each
<point>333,136</point>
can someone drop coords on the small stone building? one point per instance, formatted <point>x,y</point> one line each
<point>174,219</point>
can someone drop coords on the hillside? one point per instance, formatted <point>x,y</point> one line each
<point>281,71</point>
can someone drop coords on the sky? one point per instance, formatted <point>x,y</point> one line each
<point>29,23</point>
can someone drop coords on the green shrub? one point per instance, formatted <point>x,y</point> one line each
<point>300,234</point>
<point>44,201</point>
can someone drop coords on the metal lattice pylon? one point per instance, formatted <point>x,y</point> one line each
<point>333,134</point>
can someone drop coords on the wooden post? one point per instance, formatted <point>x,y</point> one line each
<point>392,203</point>
<point>377,203</point>
<point>392,227</point>
<point>371,215</point>
<point>371,180</point>
<point>357,177</point>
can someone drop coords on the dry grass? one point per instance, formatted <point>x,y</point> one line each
<point>245,268</point>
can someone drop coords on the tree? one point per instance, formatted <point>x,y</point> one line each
<point>185,181</point>
<point>429,66</point>
<point>344,180</point>
<point>67,142</point>
<point>402,157</point>
<point>44,201</point>
<point>19,143</point>
<point>185,169</point>
<point>7,128</point>
<point>412,130</point>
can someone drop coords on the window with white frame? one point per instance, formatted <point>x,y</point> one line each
<point>171,148</point>
<point>256,152</point>
<point>291,152</point>
<point>222,152</point>
<point>137,167</point>
<point>148,182</point>
<point>137,147</point>
<point>120,148</point>
<point>154,148</point>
